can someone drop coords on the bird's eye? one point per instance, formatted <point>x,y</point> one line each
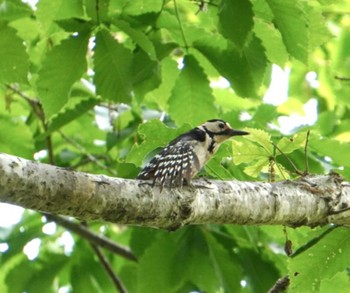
<point>222,125</point>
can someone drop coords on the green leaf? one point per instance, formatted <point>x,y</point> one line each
<point>112,65</point>
<point>190,259</point>
<point>14,9</point>
<point>264,114</point>
<point>142,7</point>
<point>318,31</point>
<point>256,167</point>
<point>215,168</point>
<point>145,74</point>
<point>227,271</point>
<point>336,150</point>
<point>70,113</point>
<point>48,11</point>
<point>249,65</point>
<point>169,74</point>
<point>75,25</point>
<point>13,133</point>
<point>151,142</point>
<point>236,19</point>
<point>254,260</point>
<point>336,284</point>
<point>321,261</point>
<point>288,145</point>
<point>342,58</point>
<point>272,41</point>
<point>262,138</point>
<point>83,282</point>
<point>256,151</point>
<point>245,152</point>
<point>191,99</point>
<point>62,67</point>
<point>96,10</point>
<point>138,37</point>
<point>14,61</point>
<point>291,21</point>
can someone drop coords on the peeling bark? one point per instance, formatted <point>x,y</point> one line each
<point>311,201</point>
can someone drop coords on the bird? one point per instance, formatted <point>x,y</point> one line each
<point>179,161</point>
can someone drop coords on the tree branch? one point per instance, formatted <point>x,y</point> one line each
<point>92,237</point>
<point>311,200</point>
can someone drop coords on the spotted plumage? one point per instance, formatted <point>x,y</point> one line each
<point>183,157</point>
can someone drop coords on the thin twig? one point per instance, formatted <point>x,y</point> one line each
<point>86,153</point>
<point>180,25</point>
<point>107,266</point>
<point>92,237</point>
<point>305,152</point>
<point>342,78</point>
<point>39,112</point>
<point>289,160</point>
<point>281,285</point>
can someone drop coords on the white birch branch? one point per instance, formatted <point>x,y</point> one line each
<point>311,201</point>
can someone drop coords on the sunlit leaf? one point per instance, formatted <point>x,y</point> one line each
<point>14,61</point>
<point>321,261</point>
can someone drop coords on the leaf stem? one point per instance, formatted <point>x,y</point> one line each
<point>180,25</point>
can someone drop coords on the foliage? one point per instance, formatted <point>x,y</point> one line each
<point>78,78</point>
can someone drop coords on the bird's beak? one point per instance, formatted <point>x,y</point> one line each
<point>234,132</point>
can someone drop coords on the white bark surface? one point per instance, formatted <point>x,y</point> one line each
<point>311,201</point>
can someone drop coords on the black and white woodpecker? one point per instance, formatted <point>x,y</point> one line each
<point>184,156</point>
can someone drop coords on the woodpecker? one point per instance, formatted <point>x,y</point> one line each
<point>184,156</point>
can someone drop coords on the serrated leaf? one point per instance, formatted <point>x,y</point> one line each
<point>291,21</point>
<point>169,74</point>
<point>69,114</point>
<point>145,74</point>
<point>14,9</point>
<point>14,61</point>
<point>138,37</point>
<point>244,70</point>
<point>48,11</point>
<point>236,20</point>
<point>62,67</point>
<point>112,65</point>
<point>321,261</point>
<point>260,137</point>
<point>247,152</point>
<point>318,31</point>
<point>191,99</point>
<point>152,141</point>
<point>272,41</point>
<point>288,145</point>
<point>255,168</point>
<point>75,24</point>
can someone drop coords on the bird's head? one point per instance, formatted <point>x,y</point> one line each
<point>220,130</point>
